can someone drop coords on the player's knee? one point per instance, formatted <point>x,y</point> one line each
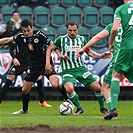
<point>55,86</point>
<point>95,87</point>
<point>25,91</point>
<point>69,90</point>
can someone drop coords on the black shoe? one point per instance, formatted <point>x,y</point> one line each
<point>111,114</point>
<point>79,111</point>
<point>104,111</point>
<point>116,116</point>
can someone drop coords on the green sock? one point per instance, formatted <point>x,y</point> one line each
<point>108,102</point>
<point>100,99</point>
<point>75,99</point>
<point>115,90</point>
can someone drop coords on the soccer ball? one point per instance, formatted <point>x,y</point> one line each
<point>65,108</point>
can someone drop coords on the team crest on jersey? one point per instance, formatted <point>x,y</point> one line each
<point>5,62</point>
<point>36,40</point>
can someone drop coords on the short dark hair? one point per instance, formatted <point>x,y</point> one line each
<point>15,12</point>
<point>26,22</point>
<point>72,23</point>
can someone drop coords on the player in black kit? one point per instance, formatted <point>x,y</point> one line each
<point>21,60</point>
<point>36,42</point>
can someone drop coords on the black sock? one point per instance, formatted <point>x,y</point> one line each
<point>63,92</point>
<point>40,91</point>
<point>25,101</point>
<point>5,89</point>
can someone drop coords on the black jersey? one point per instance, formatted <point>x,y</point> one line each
<point>37,45</point>
<point>19,51</point>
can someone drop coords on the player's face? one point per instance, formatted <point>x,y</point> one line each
<point>16,16</point>
<point>28,31</point>
<point>72,31</point>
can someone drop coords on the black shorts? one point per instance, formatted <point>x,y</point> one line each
<point>17,70</point>
<point>36,70</point>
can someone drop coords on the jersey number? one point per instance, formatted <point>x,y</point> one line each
<point>118,38</point>
<point>131,19</point>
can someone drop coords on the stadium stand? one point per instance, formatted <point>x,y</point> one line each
<point>67,3</point>
<point>58,16</point>
<point>4,2</point>
<point>25,12</point>
<point>6,12</point>
<point>84,3</point>
<point>35,28</point>
<point>35,0</point>
<point>49,31</point>
<point>75,13</point>
<point>100,3</point>
<point>54,2</point>
<point>41,16</point>
<point>62,30</point>
<point>106,15</point>
<point>83,31</point>
<point>93,32</point>
<point>91,16</point>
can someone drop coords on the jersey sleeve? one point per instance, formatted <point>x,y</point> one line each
<point>108,28</point>
<point>45,38</point>
<point>11,49</point>
<point>17,37</point>
<point>117,14</point>
<point>57,42</point>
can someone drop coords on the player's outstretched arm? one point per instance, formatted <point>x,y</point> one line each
<point>113,33</point>
<point>94,54</point>
<point>93,41</point>
<point>6,40</point>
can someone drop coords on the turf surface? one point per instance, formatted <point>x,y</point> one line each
<point>51,117</point>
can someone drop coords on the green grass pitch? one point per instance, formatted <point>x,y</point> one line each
<point>50,116</point>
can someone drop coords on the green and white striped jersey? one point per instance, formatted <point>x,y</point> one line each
<point>70,47</point>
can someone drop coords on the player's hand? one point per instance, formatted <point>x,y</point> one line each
<point>48,68</point>
<point>64,57</point>
<point>16,62</point>
<point>111,48</point>
<point>79,53</point>
<point>106,55</point>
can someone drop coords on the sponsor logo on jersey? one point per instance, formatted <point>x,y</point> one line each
<point>72,48</point>
<point>30,46</point>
